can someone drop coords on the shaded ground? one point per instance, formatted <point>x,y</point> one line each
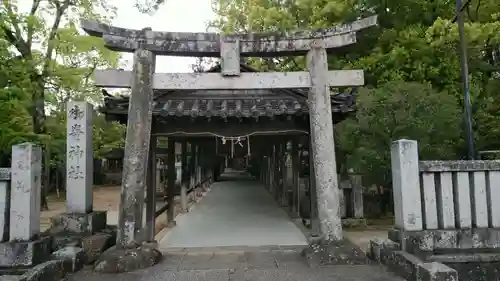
<point>106,198</point>
<point>252,264</point>
<point>236,212</point>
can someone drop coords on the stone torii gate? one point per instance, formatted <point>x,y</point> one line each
<point>146,44</point>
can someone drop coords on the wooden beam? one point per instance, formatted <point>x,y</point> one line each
<point>112,78</point>
<point>209,44</point>
<point>186,128</point>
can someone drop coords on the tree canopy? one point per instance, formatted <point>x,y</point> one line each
<point>412,71</point>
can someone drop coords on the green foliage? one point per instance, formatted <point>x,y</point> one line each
<point>398,110</point>
<point>412,71</point>
<point>43,54</point>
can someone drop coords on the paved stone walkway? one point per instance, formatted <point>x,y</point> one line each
<point>236,212</point>
<point>250,265</point>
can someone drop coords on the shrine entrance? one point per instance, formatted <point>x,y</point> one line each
<point>230,116</point>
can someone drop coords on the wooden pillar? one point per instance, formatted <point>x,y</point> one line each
<point>285,186</point>
<point>171,181</point>
<point>313,196</point>
<point>272,170</point>
<point>322,145</point>
<point>295,177</point>
<point>136,150</point>
<point>192,170</point>
<point>198,164</point>
<point>184,177</point>
<point>151,192</point>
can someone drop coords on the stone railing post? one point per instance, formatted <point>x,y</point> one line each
<point>26,248</point>
<point>25,191</point>
<point>406,185</point>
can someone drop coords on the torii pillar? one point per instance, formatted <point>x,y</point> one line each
<point>323,146</point>
<point>130,238</point>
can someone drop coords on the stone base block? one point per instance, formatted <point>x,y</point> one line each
<point>71,239</point>
<point>24,253</point>
<point>79,223</point>
<point>94,245</point>
<point>381,250</point>
<point>334,253</point>
<point>426,242</point>
<point>116,260</point>
<point>72,258</point>
<point>46,271</point>
<point>435,271</point>
<point>408,265</point>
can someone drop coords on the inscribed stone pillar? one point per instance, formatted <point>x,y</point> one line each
<point>26,186</point>
<point>322,145</point>
<point>136,150</point>
<point>406,185</point>
<point>356,196</point>
<point>4,203</point>
<point>79,158</point>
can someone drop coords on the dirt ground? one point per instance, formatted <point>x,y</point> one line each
<point>106,198</point>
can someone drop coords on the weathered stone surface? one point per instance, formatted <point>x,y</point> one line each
<point>323,147</point>
<point>428,182</point>
<point>356,196</point>
<point>477,271</point>
<point>79,158</point>
<point>94,245</point>
<point>47,271</point>
<point>445,201</point>
<point>113,78</point>
<point>428,241</point>
<point>136,153</point>
<point>111,230</point>
<point>71,257</point>
<point>462,197</point>
<point>334,253</point>
<point>209,44</point>
<point>66,239</point>
<point>375,249</point>
<point>79,223</point>
<point>404,264</point>
<point>445,239</point>
<point>493,191</point>
<point>24,253</point>
<point>25,191</point>
<point>416,242</point>
<point>435,271</point>
<point>116,260</point>
<point>406,185</point>
<point>459,166</point>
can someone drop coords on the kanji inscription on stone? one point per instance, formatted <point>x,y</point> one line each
<point>79,159</point>
<point>76,112</point>
<point>76,132</point>
<point>25,191</point>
